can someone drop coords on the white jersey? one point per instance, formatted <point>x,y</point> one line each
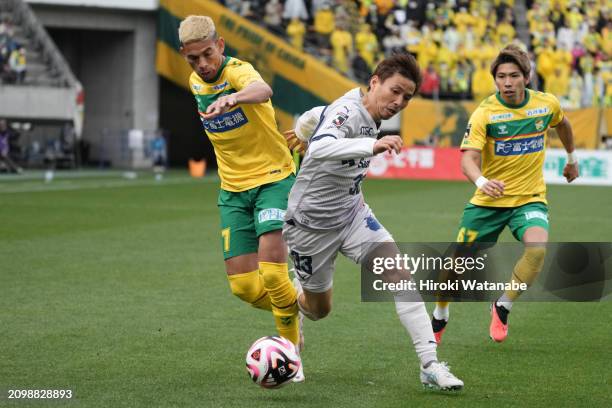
<point>327,192</point>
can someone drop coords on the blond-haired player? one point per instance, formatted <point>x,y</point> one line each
<point>256,171</point>
<point>503,155</point>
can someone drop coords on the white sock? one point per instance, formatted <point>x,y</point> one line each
<point>505,302</point>
<point>441,313</point>
<point>414,318</point>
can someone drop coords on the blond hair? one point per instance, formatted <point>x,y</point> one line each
<point>196,28</point>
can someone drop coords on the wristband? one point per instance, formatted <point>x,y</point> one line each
<point>481,181</point>
<point>572,158</point>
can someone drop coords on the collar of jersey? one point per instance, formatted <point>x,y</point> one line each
<point>507,105</point>
<point>215,79</point>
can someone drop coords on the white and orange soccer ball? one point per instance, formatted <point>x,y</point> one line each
<point>272,361</point>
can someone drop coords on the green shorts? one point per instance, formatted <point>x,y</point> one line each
<point>484,224</point>
<point>248,214</point>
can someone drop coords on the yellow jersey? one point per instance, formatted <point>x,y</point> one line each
<point>512,141</point>
<point>249,148</point>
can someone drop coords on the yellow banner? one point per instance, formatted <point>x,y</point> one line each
<point>443,124</point>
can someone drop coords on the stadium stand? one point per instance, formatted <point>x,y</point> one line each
<point>456,40</point>
<point>34,69</point>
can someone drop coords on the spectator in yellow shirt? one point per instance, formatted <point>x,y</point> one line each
<point>562,59</point>
<point>545,65</point>
<point>483,84</point>
<point>427,51</point>
<point>296,31</point>
<point>606,38</point>
<point>324,24</point>
<point>505,29</point>
<point>342,46</point>
<point>592,40</point>
<point>367,45</point>
<point>557,83</point>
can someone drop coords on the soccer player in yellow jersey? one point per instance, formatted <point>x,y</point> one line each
<point>255,167</point>
<point>503,155</point>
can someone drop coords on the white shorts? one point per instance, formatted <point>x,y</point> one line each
<point>314,253</point>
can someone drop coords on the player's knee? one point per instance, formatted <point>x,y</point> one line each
<point>273,274</point>
<point>246,293</point>
<point>535,256</point>
<point>246,286</point>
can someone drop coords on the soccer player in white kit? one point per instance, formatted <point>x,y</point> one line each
<point>327,214</point>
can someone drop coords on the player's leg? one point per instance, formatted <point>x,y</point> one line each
<point>529,224</point>
<point>270,204</point>
<point>366,239</point>
<point>239,245</point>
<point>314,256</point>
<point>478,224</point>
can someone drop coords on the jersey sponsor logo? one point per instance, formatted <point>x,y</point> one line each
<point>517,147</point>
<point>220,86</point>
<point>501,116</point>
<point>536,214</point>
<point>227,121</point>
<point>366,131</point>
<point>502,129</point>
<point>542,110</point>
<point>271,214</point>
<point>196,87</point>
<point>363,163</point>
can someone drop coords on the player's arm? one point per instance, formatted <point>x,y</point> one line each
<point>255,92</point>
<point>470,165</point>
<point>564,130</point>
<point>473,142</point>
<point>335,138</point>
<point>297,138</point>
<point>325,147</point>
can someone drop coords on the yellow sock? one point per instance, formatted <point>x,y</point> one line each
<point>442,304</point>
<point>250,288</point>
<point>283,298</point>
<point>527,269</point>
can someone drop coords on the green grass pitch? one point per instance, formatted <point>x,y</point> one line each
<point>115,289</point>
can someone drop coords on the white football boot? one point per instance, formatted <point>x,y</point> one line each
<point>438,376</point>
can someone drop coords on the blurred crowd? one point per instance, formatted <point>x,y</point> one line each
<point>12,54</point>
<point>572,43</point>
<point>454,41</point>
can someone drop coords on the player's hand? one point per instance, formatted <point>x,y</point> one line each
<point>494,188</point>
<point>220,106</point>
<point>570,172</point>
<point>294,143</point>
<point>392,143</point>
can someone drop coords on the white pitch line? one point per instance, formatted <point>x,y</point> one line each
<point>70,185</point>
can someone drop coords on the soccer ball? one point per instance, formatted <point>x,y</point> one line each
<point>272,361</point>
